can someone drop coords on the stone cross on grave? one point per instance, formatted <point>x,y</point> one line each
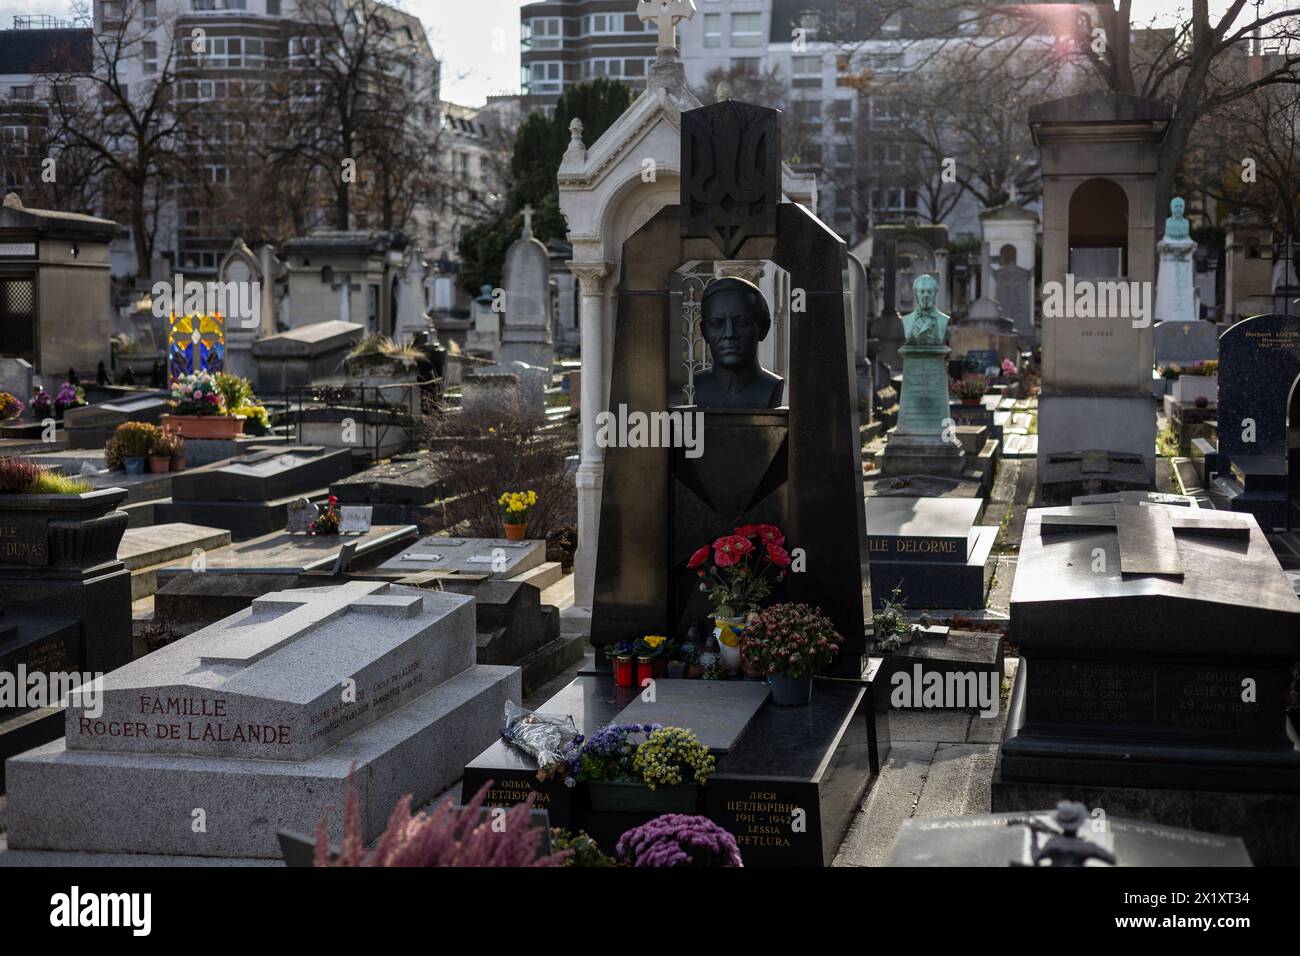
<point>666,13</point>
<point>528,221</point>
<point>1146,533</point>
<point>283,617</point>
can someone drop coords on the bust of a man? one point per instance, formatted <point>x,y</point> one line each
<point>1177,226</point>
<point>925,325</point>
<point>734,318</point>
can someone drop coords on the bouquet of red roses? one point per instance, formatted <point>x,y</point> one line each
<point>737,571</point>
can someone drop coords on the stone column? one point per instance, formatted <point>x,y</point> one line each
<point>591,465</point>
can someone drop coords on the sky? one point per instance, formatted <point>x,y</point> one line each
<point>478,40</point>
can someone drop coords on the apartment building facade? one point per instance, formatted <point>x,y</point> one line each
<point>563,42</point>
<point>35,48</point>
<point>222,54</point>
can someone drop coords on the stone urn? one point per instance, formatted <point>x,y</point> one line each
<point>79,530</point>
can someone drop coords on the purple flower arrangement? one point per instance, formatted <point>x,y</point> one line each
<point>678,839</point>
<point>608,754</point>
<point>69,395</point>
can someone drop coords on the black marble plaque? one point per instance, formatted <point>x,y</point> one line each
<point>509,787</point>
<point>775,822</point>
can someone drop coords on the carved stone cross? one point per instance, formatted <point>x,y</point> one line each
<point>528,221</point>
<point>287,616</point>
<point>666,13</point>
<point>1146,533</point>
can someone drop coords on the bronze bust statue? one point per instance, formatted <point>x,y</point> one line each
<point>734,318</point>
<point>925,325</point>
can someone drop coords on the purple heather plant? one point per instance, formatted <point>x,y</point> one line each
<point>679,839</point>
<point>449,836</point>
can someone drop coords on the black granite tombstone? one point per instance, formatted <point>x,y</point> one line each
<point>1156,650</point>
<point>798,466</point>
<point>1259,367</point>
<point>32,644</point>
<point>929,547</point>
<point>59,554</point>
<point>788,780</point>
<point>250,496</point>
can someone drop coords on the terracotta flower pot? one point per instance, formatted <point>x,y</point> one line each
<point>204,426</point>
<point>159,465</point>
<point>515,532</point>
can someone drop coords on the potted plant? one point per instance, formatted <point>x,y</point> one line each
<point>68,396</point>
<point>257,421</point>
<point>10,407</point>
<point>890,626</point>
<point>199,409</point>
<point>233,390</point>
<point>789,643</point>
<point>606,756</point>
<point>737,572</point>
<point>651,657</point>
<point>583,850</point>
<point>165,448</point>
<point>59,520</point>
<point>515,506</point>
<point>136,440</point>
<point>643,768</point>
<point>328,520</point>
<point>176,443</point>
<point>677,839</point>
<point>42,403</point>
<point>970,388</point>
